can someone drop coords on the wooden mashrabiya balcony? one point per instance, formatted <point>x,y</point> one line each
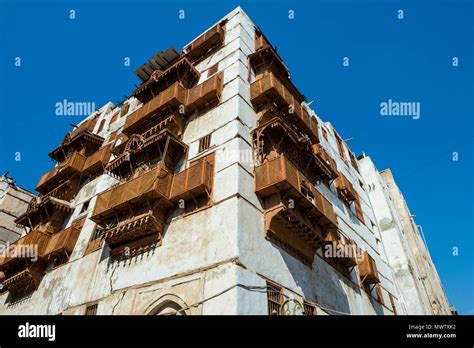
<point>325,162</point>
<point>269,88</point>
<point>299,224</point>
<point>183,71</point>
<point>368,269</point>
<point>193,181</point>
<point>210,40</point>
<point>19,265</point>
<point>45,210</point>
<point>345,189</point>
<point>72,165</point>
<point>29,277</point>
<point>280,175</point>
<point>97,161</point>
<point>31,245</point>
<point>150,186</point>
<point>63,242</point>
<point>171,99</point>
<point>343,250</point>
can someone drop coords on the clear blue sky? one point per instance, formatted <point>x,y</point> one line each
<point>403,60</point>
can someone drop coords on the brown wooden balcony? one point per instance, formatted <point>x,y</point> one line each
<point>169,99</point>
<point>342,250</point>
<point>31,245</point>
<point>345,189</point>
<point>325,162</point>
<point>29,277</point>
<point>206,93</point>
<point>204,44</point>
<point>278,135</point>
<point>279,175</point>
<point>148,187</point>
<point>163,145</point>
<point>182,71</point>
<point>193,181</point>
<point>73,165</point>
<point>80,139</point>
<point>270,88</point>
<point>294,231</point>
<point>62,243</point>
<point>368,269</point>
<point>45,211</point>
<point>134,228</point>
<point>260,41</point>
<point>97,161</point>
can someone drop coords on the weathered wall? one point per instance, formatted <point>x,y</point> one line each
<point>403,245</point>
<point>216,260</point>
<point>13,202</point>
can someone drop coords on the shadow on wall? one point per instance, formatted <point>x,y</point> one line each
<point>321,283</point>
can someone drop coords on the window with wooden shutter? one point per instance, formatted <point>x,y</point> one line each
<point>124,110</point>
<point>204,143</point>
<point>101,126</point>
<point>325,134</point>
<point>114,118</point>
<point>354,161</point>
<point>379,292</point>
<point>359,212</point>
<point>92,309</point>
<point>392,301</point>
<point>85,206</point>
<point>309,308</point>
<point>275,298</point>
<point>95,241</point>
<point>340,145</point>
<point>212,70</point>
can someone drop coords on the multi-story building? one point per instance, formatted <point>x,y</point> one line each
<point>415,275</point>
<point>13,201</point>
<point>212,189</point>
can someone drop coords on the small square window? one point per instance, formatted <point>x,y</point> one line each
<point>325,134</point>
<point>85,206</point>
<point>92,309</point>
<point>309,308</point>
<point>204,143</point>
<point>124,110</point>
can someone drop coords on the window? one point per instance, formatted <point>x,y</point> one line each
<point>85,206</point>
<point>124,110</point>
<point>340,146</point>
<point>92,309</point>
<point>392,301</point>
<point>97,234</point>
<point>275,298</point>
<point>212,70</point>
<point>204,143</point>
<point>354,161</point>
<point>114,118</point>
<point>325,134</point>
<point>309,308</point>
<point>95,241</point>
<point>306,192</point>
<point>378,290</point>
<point>101,126</point>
